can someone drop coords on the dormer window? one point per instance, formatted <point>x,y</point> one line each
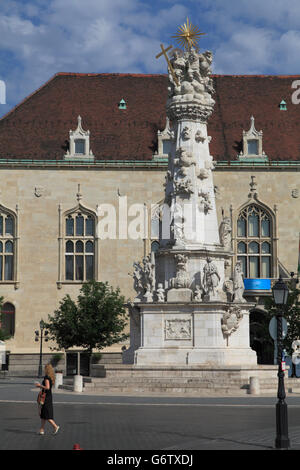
<point>165,140</point>
<point>252,145</point>
<point>79,145</point>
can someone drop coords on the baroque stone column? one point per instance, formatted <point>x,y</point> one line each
<point>189,222</point>
<point>189,190</point>
<point>187,319</point>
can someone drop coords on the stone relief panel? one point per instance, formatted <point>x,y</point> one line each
<point>178,329</point>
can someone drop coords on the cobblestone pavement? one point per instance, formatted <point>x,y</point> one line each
<point>141,423</point>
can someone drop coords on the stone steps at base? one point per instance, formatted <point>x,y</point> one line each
<point>170,390</point>
<point>207,386</point>
<point>148,380</point>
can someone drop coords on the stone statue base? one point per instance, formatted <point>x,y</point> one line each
<point>183,333</point>
<point>204,357</point>
<point>179,295</point>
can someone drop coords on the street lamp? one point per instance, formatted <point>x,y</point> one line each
<point>280,296</point>
<point>39,336</point>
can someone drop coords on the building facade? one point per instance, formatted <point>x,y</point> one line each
<point>87,144</point>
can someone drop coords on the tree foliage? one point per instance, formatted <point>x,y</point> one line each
<point>96,320</point>
<point>291,312</point>
<point>3,335</point>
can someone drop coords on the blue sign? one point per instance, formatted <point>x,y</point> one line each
<point>257,284</point>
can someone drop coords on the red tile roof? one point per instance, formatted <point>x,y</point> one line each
<point>38,127</point>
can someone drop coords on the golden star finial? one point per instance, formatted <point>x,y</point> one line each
<point>188,35</point>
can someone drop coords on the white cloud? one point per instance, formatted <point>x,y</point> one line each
<point>42,37</point>
<point>258,37</point>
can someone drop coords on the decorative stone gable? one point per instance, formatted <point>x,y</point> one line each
<point>79,144</point>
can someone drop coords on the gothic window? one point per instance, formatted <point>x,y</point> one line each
<point>7,246</point>
<point>155,227</point>
<point>154,247</point>
<point>254,242</point>
<point>8,319</point>
<point>79,244</point>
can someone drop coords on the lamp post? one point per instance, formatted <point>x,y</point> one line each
<point>280,295</point>
<point>39,336</point>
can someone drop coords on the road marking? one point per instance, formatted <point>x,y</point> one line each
<point>220,405</point>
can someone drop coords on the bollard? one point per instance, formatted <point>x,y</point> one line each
<point>58,379</point>
<point>254,388</point>
<point>78,383</point>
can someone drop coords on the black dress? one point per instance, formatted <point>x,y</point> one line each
<point>47,407</point>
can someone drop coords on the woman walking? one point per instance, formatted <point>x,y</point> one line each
<point>46,412</point>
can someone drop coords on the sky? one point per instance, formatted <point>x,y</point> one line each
<point>39,38</point>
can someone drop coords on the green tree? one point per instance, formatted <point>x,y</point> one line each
<point>3,334</point>
<point>291,312</point>
<point>95,321</point>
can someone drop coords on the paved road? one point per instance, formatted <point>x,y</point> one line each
<point>141,423</point>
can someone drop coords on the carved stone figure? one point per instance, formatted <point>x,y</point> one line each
<point>178,64</point>
<point>231,320</point>
<point>238,284</point>
<point>144,279</point>
<point>138,281</point>
<point>149,273</point>
<point>184,160</point>
<point>225,233</point>
<point>209,164</point>
<point>205,201</point>
<point>228,288</point>
<point>199,137</point>
<point>177,225</point>
<point>205,61</point>
<point>186,134</point>
<point>184,186</point>
<point>160,293</point>
<point>211,280</point>
<point>198,294</point>
<point>194,65</point>
<point>193,76</point>
<point>182,279</point>
<point>203,174</point>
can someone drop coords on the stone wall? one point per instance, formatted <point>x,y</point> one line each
<point>38,294</point>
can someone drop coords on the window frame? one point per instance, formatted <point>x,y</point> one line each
<point>263,213</point>
<point>64,238</point>
<point>5,239</point>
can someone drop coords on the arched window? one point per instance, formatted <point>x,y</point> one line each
<point>79,243</point>
<point>7,247</point>
<point>8,319</point>
<point>155,227</point>
<point>254,242</point>
<point>154,246</point>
